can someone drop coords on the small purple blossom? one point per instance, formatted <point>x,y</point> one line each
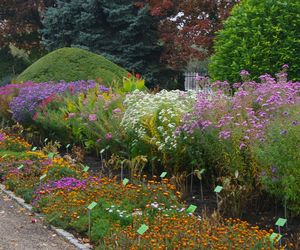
<point>283,132</point>
<point>198,77</point>
<point>104,89</point>
<point>244,73</point>
<point>71,115</point>
<point>117,110</point>
<point>92,117</point>
<point>108,136</point>
<point>225,134</point>
<point>236,85</point>
<point>2,137</point>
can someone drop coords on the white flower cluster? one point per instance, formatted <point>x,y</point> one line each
<point>117,211</point>
<point>154,118</point>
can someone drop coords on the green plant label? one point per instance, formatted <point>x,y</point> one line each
<point>276,236</point>
<point>280,222</point>
<point>42,177</point>
<point>143,228</point>
<point>20,167</point>
<point>4,156</point>
<point>191,209</point>
<point>218,189</point>
<point>92,205</point>
<point>68,146</point>
<point>163,174</point>
<point>86,168</point>
<point>125,181</point>
<point>46,140</point>
<point>50,155</point>
<point>34,148</point>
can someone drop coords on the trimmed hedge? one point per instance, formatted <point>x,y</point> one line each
<point>259,36</point>
<point>72,64</point>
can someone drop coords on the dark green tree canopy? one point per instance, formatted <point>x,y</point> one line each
<point>259,36</point>
<point>119,30</point>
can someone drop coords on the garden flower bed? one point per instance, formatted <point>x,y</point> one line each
<point>62,191</point>
<point>243,137</point>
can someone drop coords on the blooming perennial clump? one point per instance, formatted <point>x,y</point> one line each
<point>247,113</point>
<point>153,118</point>
<point>30,97</point>
<point>13,143</point>
<point>183,231</point>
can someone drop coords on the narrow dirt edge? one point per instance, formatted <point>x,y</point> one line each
<point>62,233</point>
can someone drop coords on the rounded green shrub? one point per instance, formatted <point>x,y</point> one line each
<point>72,64</point>
<point>259,36</point>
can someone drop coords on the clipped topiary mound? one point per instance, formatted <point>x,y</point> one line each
<point>259,36</point>
<point>71,64</point>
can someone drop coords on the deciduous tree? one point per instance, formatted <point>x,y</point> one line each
<point>20,21</point>
<point>187,28</point>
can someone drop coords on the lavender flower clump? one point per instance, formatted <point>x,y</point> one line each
<point>30,97</point>
<point>67,183</point>
<point>2,137</point>
<point>247,113</point>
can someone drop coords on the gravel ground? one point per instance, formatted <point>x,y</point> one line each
<point>17,232</point>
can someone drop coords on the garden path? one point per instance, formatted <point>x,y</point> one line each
<point>17,232</point>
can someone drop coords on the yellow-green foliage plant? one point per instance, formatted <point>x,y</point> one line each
<point>72,64</point>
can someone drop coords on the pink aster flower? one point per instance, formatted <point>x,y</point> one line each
<point>92,117</point>
<point>244,73</point>
<point>108,136</point>
<point>117,110</point>
<point>225,134</point>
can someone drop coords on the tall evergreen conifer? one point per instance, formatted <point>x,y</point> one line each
<point>118,29</point>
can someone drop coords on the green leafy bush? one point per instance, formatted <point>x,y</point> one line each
<point>259,36</point>
<point>71,64</point>
<point>280,156</point>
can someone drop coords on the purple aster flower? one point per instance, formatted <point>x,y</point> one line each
<point>2,137</point>
<point>283,132</point>
<point>236,85</point>
<point>104,89</point>
<point>244,73</point>
<point>225,134</point>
